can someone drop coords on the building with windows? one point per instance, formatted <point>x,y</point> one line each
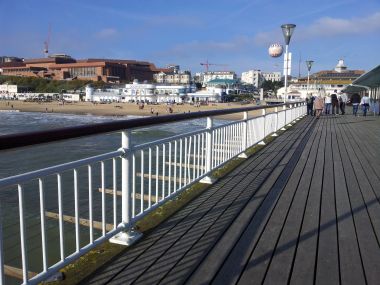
<point>174,76</point>
<point>272,76</point>
<point>252,77</point>
<point>64,67</point>
<point>210,75</point>
<point>324,82</point>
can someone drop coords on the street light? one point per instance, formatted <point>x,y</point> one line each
<point>287,30</point>
<point>309,63</point>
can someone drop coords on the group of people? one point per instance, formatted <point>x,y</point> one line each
<point>332,103</point>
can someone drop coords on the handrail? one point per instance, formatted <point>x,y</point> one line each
<point>38,137</point>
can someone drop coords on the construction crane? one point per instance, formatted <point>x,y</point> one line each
<point>207,64</point>
<point>47,42</point>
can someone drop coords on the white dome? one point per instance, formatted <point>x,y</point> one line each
<point>275,50</point>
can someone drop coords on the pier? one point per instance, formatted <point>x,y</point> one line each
<point>302,209</point>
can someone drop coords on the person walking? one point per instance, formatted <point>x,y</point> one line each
<point>355,100</point>
<point>318,106</point>
<point>365,104</point>
<point>327,104</point>
<point>342,98</point>
<point>335,103</point>
<point>309,105</point>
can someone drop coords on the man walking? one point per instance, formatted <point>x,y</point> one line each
<point>342,98</point>
<point>365,104</point>
<point>355,100</point>
<point>335,103</point>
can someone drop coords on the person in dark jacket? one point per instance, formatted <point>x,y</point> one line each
<point>335,103</point>
<point>355,101</point>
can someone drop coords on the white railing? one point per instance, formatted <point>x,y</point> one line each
<point>98,197</point>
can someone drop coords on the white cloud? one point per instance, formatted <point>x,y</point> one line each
<point>106,33</point>
<point>326,27</point>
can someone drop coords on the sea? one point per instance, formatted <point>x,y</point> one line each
<point>18,161</point>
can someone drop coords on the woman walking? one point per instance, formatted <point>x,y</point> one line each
<point>318,106</point>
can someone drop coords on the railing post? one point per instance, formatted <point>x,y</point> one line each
<point>244,135</point>
<point>263,112</point>
<point>208,179</point>
<point>291,115</point>
<point>276,128</point>
<point>130,236</point>
<point>284,110</point>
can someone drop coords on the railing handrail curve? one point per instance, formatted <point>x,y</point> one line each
<point>12,141</point>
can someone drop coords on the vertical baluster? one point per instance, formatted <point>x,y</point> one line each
<point>170,170</point>
<point>180,164</point>
<point>60,215</point>
<point>114,193</point>
<point>142,182</point>
<point>198,154</point>
<point>189,160</point>
<point>203,154</point>
<point>163,170</point>
<point>90,203</point>
<point>133,185</point>
<point>185,172</point>
<point>43,225</point>
<point>175,167</point>
<point>24,254</point>
<point>157,170</point>
<point>194,156</point>
<point>150,179</point>
<point>103,199</point>
<point>76,209</point>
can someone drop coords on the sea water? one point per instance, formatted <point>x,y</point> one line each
<point>18,161</point>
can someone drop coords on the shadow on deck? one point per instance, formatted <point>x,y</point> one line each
<point>303,210</point>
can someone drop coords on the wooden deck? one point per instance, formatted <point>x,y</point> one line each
<point>304,210</point>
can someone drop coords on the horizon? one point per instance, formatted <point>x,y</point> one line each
<point>236,34</point>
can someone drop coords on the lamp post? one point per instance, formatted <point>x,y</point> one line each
<point>287,30</point>
<point>309,63</point>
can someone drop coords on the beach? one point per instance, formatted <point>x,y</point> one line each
<point>121,109</point>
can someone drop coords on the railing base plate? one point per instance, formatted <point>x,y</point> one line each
<point>262,143</point>
<point>243,155</point>
<point>126,238</point>
<point>283,129</point>
<point>207,180</point>
<point>274,135</point>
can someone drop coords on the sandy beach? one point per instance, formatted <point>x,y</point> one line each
<point>121,109</point>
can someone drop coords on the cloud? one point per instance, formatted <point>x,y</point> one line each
<point>326,27</point>
<point>106,33</point>
<point>332,27</point>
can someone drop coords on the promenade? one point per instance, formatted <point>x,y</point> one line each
<point>303,210</point>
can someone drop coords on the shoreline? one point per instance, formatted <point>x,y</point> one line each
<point>120,109</point>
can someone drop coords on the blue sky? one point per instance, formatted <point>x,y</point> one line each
<point>236,33</point>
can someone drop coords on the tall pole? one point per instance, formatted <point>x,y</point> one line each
<point>309,63</point>
<point>287,30</point>
<point>286,72</point>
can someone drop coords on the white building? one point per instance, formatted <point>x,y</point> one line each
<point>8,91</point>
<point>210,75</point>
<point>272,76</point>
<point>137,92</point>
<point>253,77</point>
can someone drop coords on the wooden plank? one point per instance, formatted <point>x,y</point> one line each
<point>84,222</point>
<point>280,266</point>
<point>327,267</point>
<point>230,269</point>
<point>306,252</point>
<point>261,256</point>
<point>137,195</point>
<point>17,272</point>
<point>350,263</point>
<point>160,177</point>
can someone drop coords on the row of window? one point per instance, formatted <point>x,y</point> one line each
<point>82,72</point>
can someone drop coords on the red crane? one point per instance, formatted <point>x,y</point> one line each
<point>47,42</point>
<point>207,64</point>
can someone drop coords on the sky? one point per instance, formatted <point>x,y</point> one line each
<point>235,34</point>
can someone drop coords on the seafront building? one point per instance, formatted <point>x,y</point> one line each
<point>257,77</point>
<point>323,82</point>
<point>173,75</point>
<point>205,77</point>
<point>64,67</point>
